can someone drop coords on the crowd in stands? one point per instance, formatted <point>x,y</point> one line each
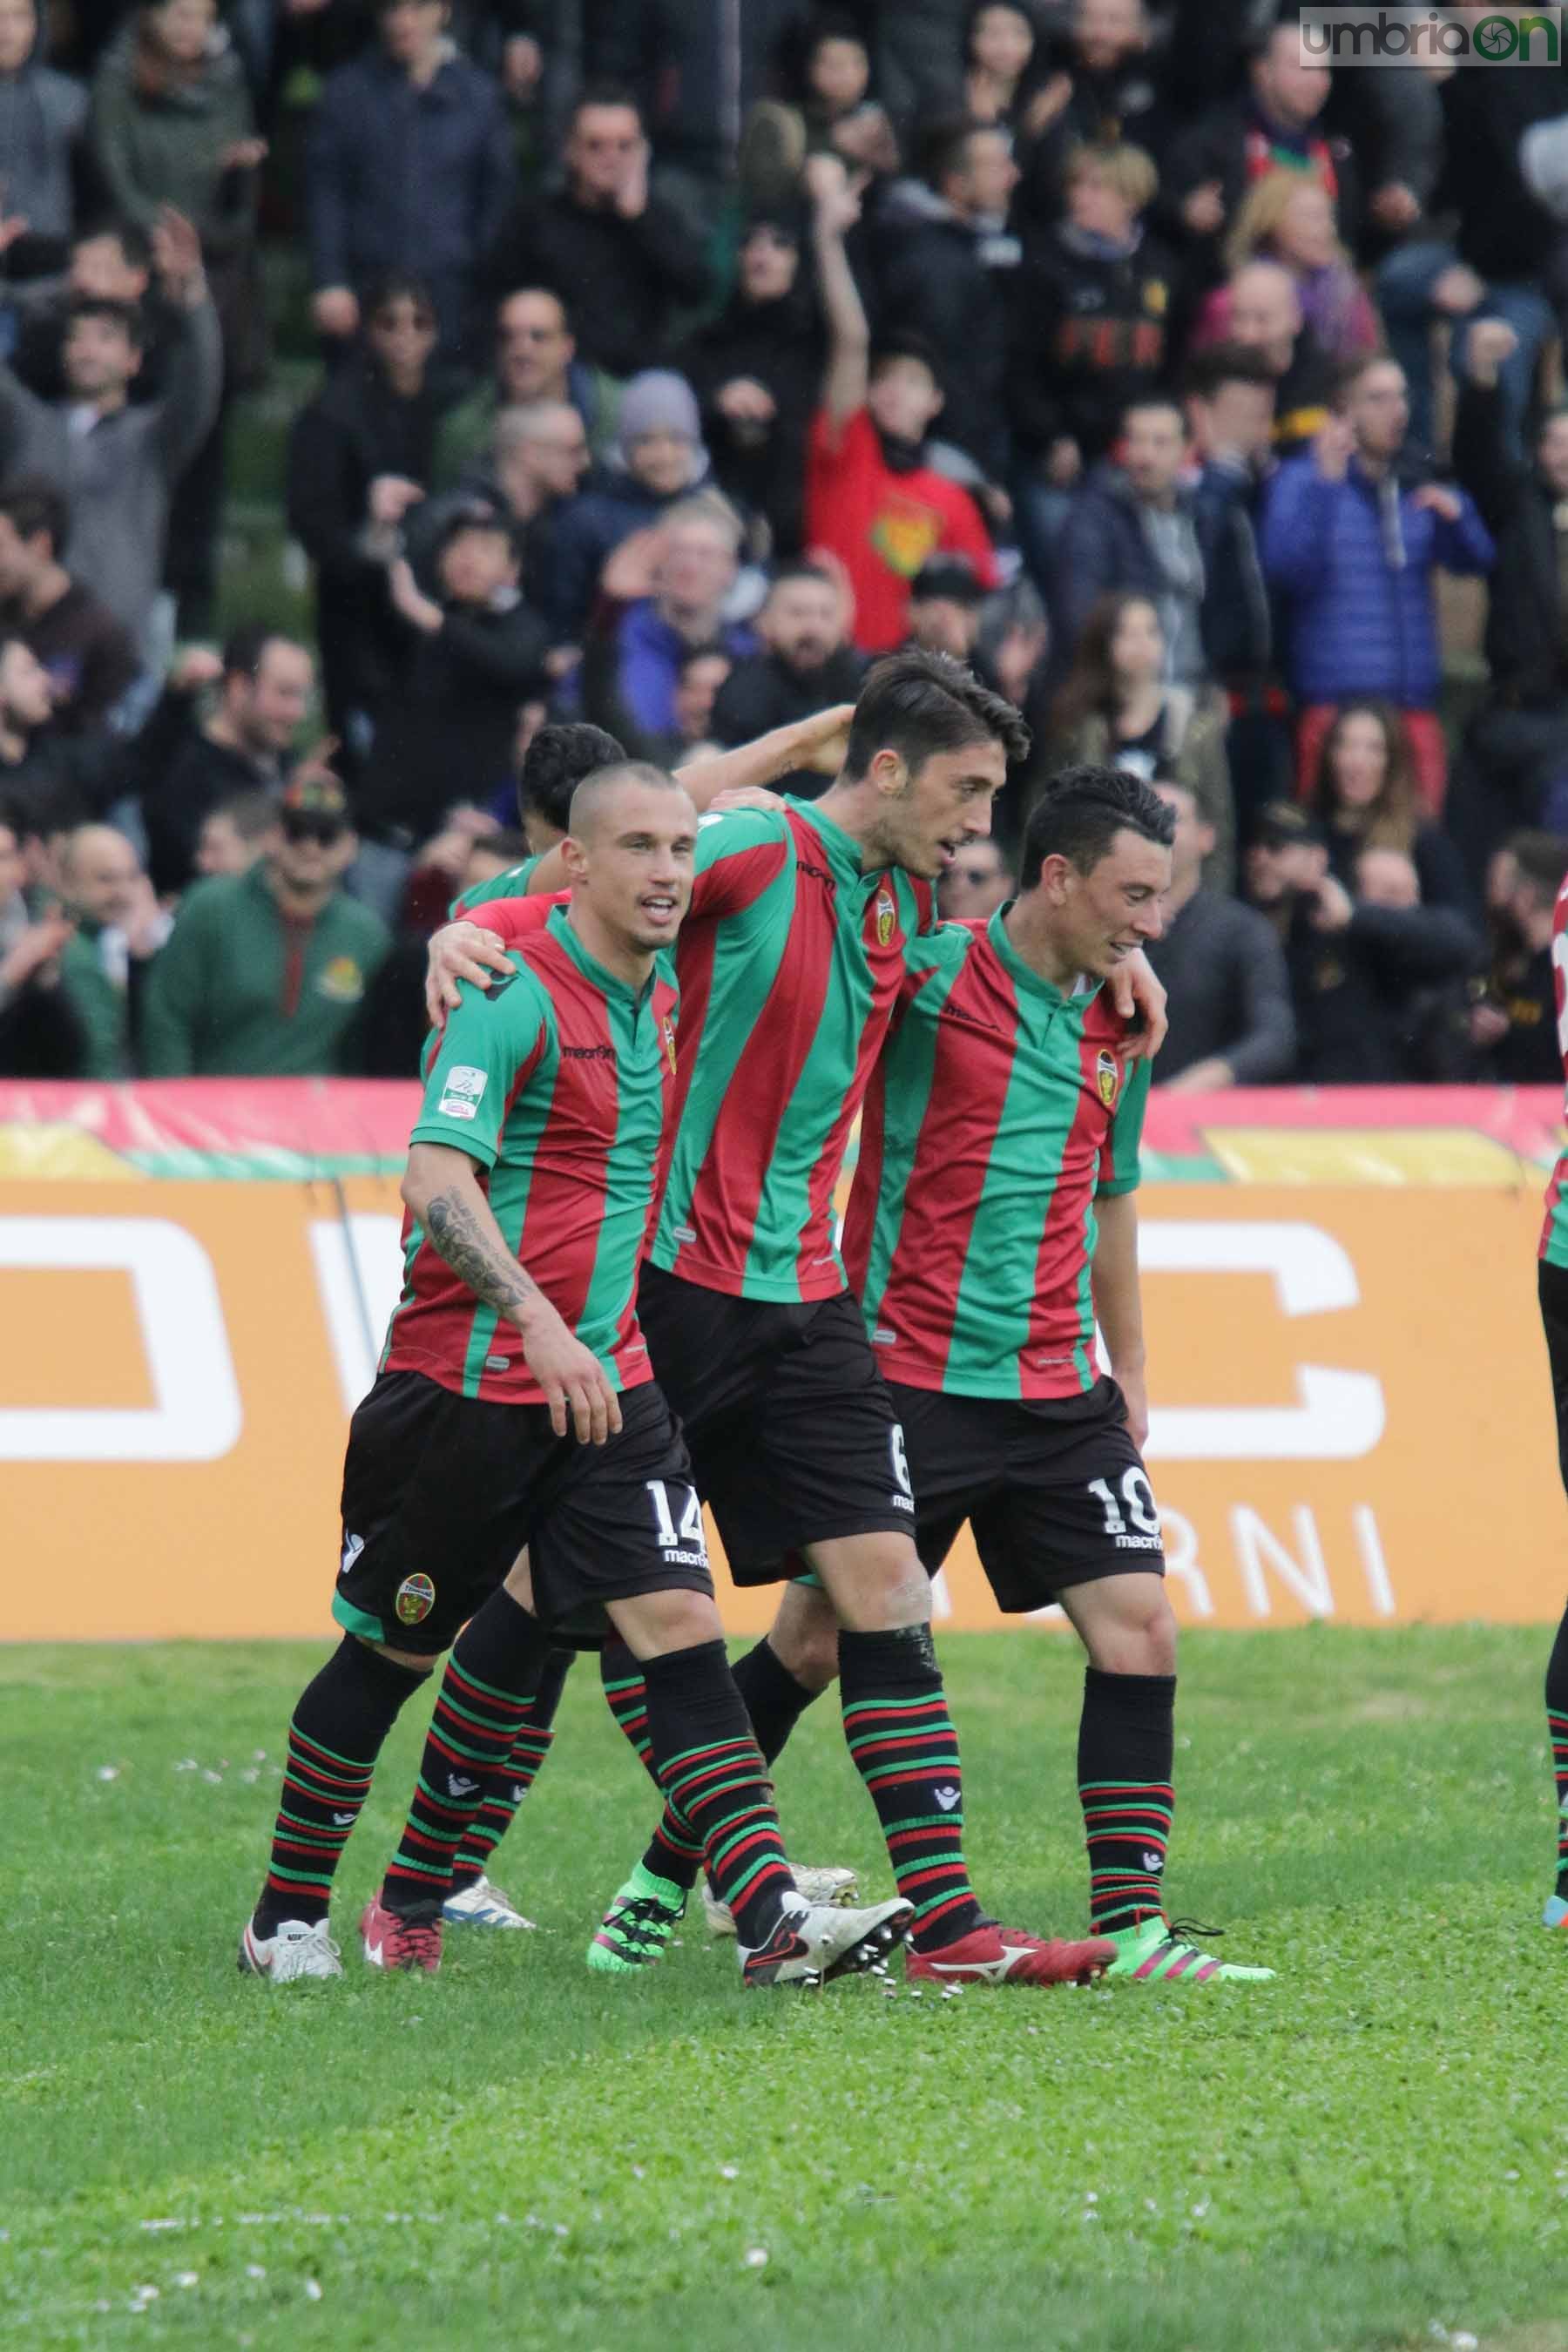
<point>669,360</point>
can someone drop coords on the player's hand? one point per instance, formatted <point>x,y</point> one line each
<point>1435,500</point>
<point>1134,1387</point>
<point>1135,989</point>
<point>824,739</point>
<point>574,1380</point>
<point>461,951</point>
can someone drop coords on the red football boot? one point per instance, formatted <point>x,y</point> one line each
<point>993,1954</point>
<point>391,1941</point>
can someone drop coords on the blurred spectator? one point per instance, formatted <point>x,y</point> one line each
<point>834,114</point>
<point>1228,392</point>
<point>756,369</point>
<point>700,677</point>
<point>1098,89</point>
<point>234,834</point>
<point>1133,529</point>
<point>535,359</point>
<point>539,455</point>
<point>264,972</point>
<point>1520,740</point>
<point>474,653</point>
<point>1363,796</point>
<point>871,498</point>
<point>698,66</point>
<point>42,115</point>
<point>1290,219</point>
<point>172,125</point>
<point>1118,709</point>
<point>111,261</point>
<point>116,464</point>
<point>118,927</point>
<point>410,169</point>
<point>265,681</point>
<point>978,881</point>
<point>690,566</point>
<point>946,603</point>
<point>1274,126</point>
<point>1091,320</point>
<point>1515,1025</point>
<point>359,460</point>
<point>1362,970</point>
<point>61,777</point>
<point>1231,1022</point>
<point>625,259</point>
<point>39,1038</point>
<point>1353,547</point>
<point>805,665</point>
<point>1001,73</point>
<point>88,656</point>
<point>1265,315</point>
<point>658,459</point>
<point>946,264</point>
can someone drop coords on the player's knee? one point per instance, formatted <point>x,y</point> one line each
<point>1135,1637</point>
<point>417,1662</point>
<point>804,1637</point>
<point>657,1623</point>
<point>876,1582</point>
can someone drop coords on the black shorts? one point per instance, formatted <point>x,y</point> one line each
<point>442,1492</point>
<point>793,1436</point>
<point>1056,1496</point>
<point>1552,1287</point>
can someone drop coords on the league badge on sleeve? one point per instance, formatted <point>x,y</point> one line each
<point>460,1095</point>
<point>1108,1077</point>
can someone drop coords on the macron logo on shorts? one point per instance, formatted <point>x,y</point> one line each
<point>352,1547</point>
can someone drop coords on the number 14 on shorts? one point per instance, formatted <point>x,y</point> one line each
<point>682,1541</point>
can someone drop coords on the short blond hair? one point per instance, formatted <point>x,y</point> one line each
<point>1127,169</point>
<point>1260,213</point>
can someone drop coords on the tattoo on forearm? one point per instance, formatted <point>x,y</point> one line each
<point>456,1235</point>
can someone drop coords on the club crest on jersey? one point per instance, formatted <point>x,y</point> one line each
<point>1107,1077</point>
<point>416,1599</point>
<point>668,1034</point>
<point>886,915</point>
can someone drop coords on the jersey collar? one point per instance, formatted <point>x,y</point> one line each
<point>1035,983</point>
<point>591,968</point>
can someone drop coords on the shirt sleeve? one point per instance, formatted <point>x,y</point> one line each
<point>490,1047</point>
<point>1120,1164</point>
<point>739,853</point>
<point>513,883</point>
<point>514,919</point>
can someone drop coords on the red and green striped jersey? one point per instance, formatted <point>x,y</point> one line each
<point>1554,1229</point>
<point>558,1084</point>
<point>510,882</point>
<point>1002,1108</point>
<point>791,960</point>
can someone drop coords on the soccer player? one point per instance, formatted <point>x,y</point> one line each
<point>1552,1283</point>
<point>991,1221</point>
<point>515,1407</point>
<point>792,959</point>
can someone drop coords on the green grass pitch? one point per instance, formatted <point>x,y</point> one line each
<point>1374,2151</point>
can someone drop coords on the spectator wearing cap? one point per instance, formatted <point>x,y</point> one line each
<point>264,972</point>
<point>87,654</point>
<point>632,666</point>
<point>118,927</point>
<point>805,664</point>
<point>265,682</point>
<point>1092,331</point>
<point>1366,969</point>
<point>627,259</point>
<point>535,359</point>
<point>116,464</point>
<point>1231,1018</point>
<point>945,271</point>
<point>361,457</point>
<point>474,653</point>
<point>658,458</point>
<point>410,168</point>
<point>872,498</point>
<point>1119,707</point>
<point>1353,543</point>
<point>1132,529</point>
<point>756,369</point>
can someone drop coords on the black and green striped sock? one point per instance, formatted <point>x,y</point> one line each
<point>507,1784</point>
<point>712,1772</point>
<point>1557,1728</point>
<point>1126,1745</point>
<point>906,1750</point>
